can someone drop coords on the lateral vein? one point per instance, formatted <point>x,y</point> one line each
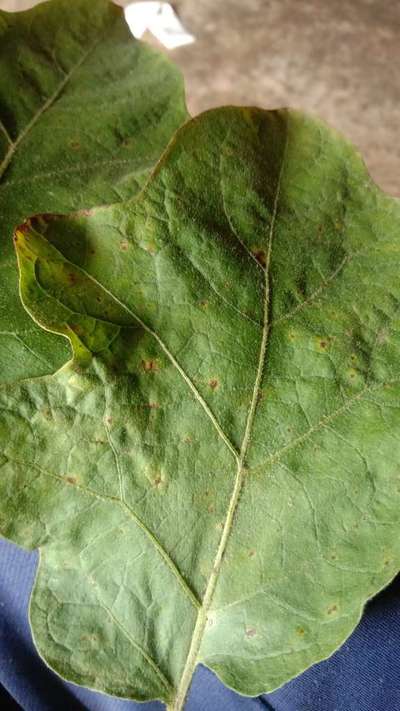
<point>138,521</point>
<point>323,422</point>
<point>6,134</point>
<point>137,646</point>
<point>47,104</point>
<point>174,362</point>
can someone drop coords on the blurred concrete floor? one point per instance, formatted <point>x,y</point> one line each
<point>334,58</point>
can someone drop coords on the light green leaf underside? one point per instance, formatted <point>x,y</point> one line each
<point>215,477</point>
<point>85,113</point>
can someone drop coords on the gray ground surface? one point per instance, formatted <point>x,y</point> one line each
<point>335,58</point>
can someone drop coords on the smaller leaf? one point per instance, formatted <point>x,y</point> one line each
<point>85,113</point>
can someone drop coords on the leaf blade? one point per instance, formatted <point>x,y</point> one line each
<point>78,87</point>
<point>312,534</point>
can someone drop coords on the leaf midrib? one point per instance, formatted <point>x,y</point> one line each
<point>201,622</point>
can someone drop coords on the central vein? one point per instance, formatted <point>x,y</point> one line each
<point>201,621</point>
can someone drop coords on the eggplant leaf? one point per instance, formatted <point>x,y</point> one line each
<point>215,475</point>
<point>85,112</point>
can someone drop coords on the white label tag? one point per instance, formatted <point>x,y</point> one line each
<point>160,19</point>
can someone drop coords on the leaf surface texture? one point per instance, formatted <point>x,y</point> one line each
<point>214,476</point>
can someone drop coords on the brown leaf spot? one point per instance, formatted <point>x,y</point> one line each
<point>89,638</point>
<point>150,366</point>
<point>260,256</point>
<point>85,212</point>
<point>332,609</point>
<point>251,632</point>
<point>323,343</point>
<point>124,245</point>
<point>300,631</point>
<point>72,278</point>
<point>153,405</point>
<point>157,479</point>
<point>75,145</point>
<point>213,383</point>
<point>204,304</point>
<point>71,480</point>
<point>76,328</point>
<point>109,420</point>
<point>25,228</point>
<point>252,553</point>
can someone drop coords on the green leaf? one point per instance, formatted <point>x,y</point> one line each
<point>215,476</point>
<point>85,112</point>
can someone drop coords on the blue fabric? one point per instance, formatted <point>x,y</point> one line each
<point>364,675</point>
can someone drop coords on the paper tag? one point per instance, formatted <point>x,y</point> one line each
<point>161,20</point>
